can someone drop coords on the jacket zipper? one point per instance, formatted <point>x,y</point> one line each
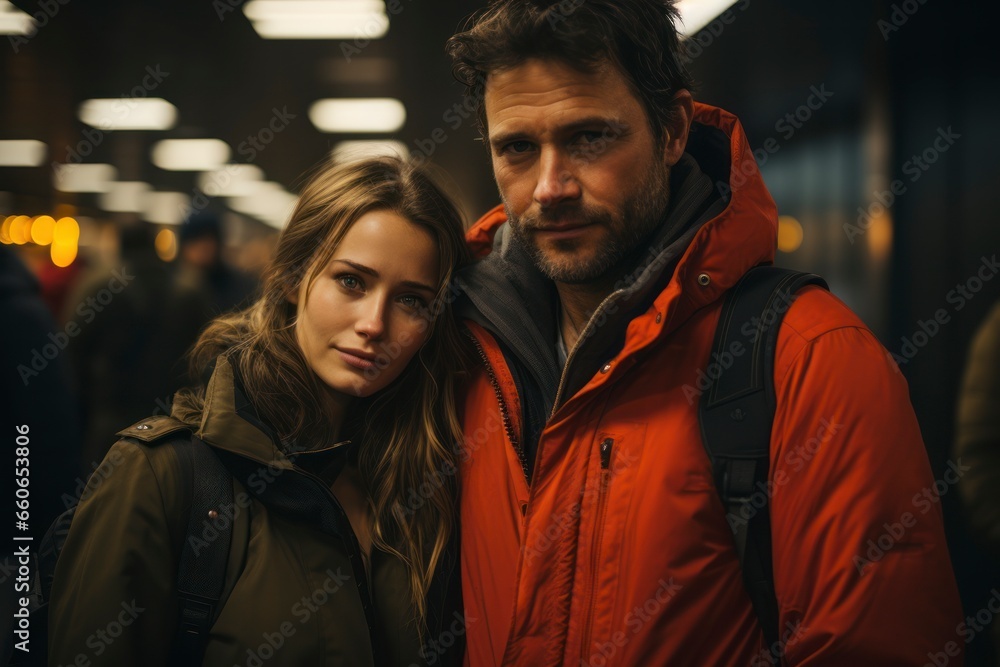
<point>605,448</point>
<point>569,359</point>
<point>688,204</point>
<point>505,415</point>
<point>357,565</point>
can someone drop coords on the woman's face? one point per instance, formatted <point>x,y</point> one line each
<point>364,315</point>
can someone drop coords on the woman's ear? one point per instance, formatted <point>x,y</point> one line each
<point>292,295</point>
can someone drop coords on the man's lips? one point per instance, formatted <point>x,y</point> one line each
<point>563,230</point>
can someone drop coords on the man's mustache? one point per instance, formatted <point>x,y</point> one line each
<point>560,216</point>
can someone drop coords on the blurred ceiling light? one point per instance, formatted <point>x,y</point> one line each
<point>43,229</point>
<point>375,114</point>
<point>790,234</point>
<point>13,21</point>
<point>125,197</point>
<point>5,230</point>
<point>696,14</point>
<point>270,203</point>
<point>84,177</point>
<point>880,236</point>
<point>166,245</point>
<point>165,208</point>
<point>22,153</point>
<point>18,227</point>
<point>190,154</point>
<point>66,231</point>
<point>345,151</point>
<point>318,19</point>
<point>63,254</point>
<point>120,113</point>
<point>230,180</point>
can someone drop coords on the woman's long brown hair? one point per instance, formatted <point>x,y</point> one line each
<point>409,431</point>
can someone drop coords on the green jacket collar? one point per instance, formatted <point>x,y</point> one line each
<point>230,423</point>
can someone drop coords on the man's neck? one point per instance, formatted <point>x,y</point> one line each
<point>577,304</point>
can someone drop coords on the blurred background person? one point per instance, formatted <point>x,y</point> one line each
<point>36,393</point>
<point>37,402</point>
<point>977,439</point>
<point>203,266</point>
<point>128,358</point>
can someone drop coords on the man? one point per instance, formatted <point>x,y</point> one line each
<point>592,530</point>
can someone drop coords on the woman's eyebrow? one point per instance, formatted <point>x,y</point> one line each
<point>361,268</point>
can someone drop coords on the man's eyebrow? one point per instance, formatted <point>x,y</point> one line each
<point>616,124</point>
<point>375,274</point>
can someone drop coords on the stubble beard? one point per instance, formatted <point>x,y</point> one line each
<point>642,213</point>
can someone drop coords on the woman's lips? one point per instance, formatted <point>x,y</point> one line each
<point>353,359</point>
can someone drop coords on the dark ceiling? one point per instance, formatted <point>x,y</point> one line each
<point>226,83</point>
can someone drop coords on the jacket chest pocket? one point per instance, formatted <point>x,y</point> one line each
<point>610,491</point>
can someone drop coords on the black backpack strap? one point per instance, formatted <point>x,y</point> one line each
<point>202,568</point>
<point>736,414</point>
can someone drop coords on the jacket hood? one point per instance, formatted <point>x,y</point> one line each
<point>721,222</point>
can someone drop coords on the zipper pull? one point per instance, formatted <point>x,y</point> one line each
<point>606,445</point>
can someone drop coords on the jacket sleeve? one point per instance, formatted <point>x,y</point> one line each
<point>977,439</point>
<point>113,595</point>
<point>862,572</point>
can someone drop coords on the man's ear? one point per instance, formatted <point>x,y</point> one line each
<point>676,132</point>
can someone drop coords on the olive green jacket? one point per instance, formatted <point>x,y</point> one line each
<point>292,594</point>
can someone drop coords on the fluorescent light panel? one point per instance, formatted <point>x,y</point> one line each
<point>125,197</point>
<point>262,10</point>
<point>22,153</point>
<point>152,113</point>
<point>345,151</point>
<point>165,208</point>
<point>348,26</point>
<point>230,180</point>
<point>190,154</point>
<point>318,19</point>
<point>13,21</point>
<point>696,14</point>
<point>376,114</point>
<point>84,177</point>
<point>270,203</point>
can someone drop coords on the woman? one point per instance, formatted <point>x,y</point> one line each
<point>331,396</point>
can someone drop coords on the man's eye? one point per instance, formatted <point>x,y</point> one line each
<point>517,147</point>
<point>588,137</point>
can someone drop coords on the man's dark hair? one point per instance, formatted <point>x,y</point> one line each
<point>636,36</point>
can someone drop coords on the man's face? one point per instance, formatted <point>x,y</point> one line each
<point>577,166</point>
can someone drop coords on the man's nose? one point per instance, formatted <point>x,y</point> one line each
<point>556,181</point>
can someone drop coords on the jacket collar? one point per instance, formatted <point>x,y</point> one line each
<point>230,423</point>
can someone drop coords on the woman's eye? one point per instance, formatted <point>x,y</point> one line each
<point>411,301</point>
<point>350,282</point>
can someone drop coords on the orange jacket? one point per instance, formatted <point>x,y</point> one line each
<point>630,561</point>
